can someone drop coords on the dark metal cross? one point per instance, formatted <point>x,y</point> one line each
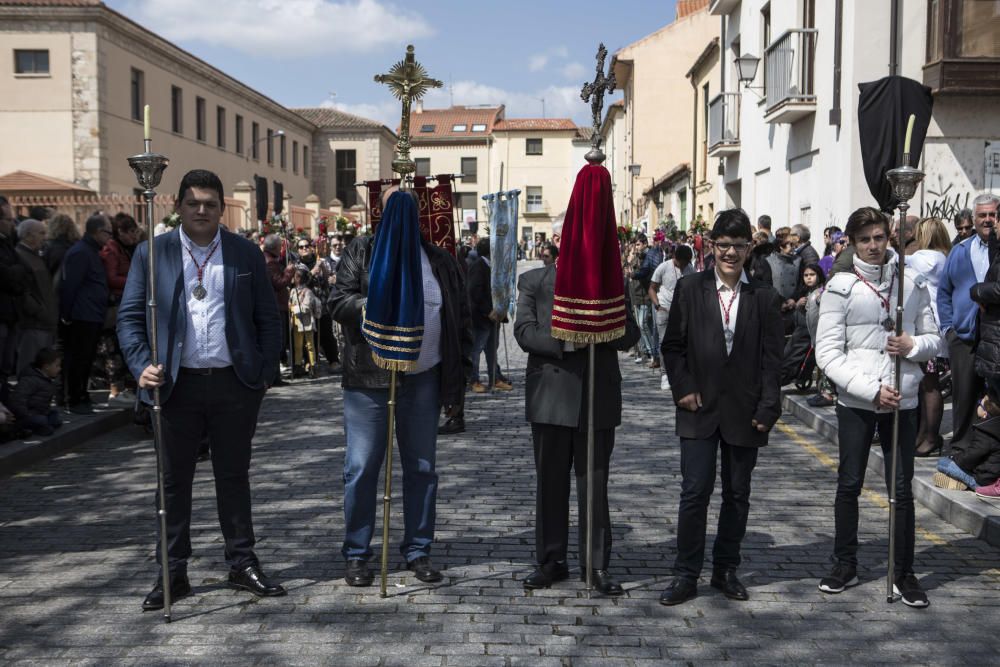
<point>408,81</point>
<point>593,93</point>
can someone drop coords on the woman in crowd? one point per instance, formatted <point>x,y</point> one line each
<point>933,246</point>
<point>838,241</point>
<point>117,258</point>
<point>62,234</point>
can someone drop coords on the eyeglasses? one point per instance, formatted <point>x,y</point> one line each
<point>304,247</point>
<point>725,247</point>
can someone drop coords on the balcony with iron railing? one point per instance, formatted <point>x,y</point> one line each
<point>724,125</point>
<point>789,71</point>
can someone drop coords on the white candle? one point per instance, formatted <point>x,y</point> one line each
<point>909,133</point>
<point>145,124</point>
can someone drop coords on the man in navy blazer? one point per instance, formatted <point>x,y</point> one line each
<point>219,337</point>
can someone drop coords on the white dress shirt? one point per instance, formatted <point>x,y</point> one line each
<point>979,253</point>
<point>430,345</point>
<point>205,344</point>
<point>725,293</point>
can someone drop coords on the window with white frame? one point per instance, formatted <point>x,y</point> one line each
<point>533,199</point>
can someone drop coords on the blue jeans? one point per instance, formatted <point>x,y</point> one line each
<point>365,423</point>
<point>647,330</point>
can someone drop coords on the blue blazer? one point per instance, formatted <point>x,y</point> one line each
<point>253,326</point>
<point>956,309</point>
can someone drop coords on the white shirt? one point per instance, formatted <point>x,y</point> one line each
<point>430,345</point>
<point>979,253</point>
<point>666,276</point>
<point>725,293</point>
<point>205,344</point>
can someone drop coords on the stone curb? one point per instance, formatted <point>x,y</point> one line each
<point>962,509</point>
<point>76,430</point>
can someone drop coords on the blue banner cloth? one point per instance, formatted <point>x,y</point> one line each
<point>503,249</point>
<point>393,316</point>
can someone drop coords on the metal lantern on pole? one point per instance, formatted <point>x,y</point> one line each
<point>148,167</point>
<point>904,180</point>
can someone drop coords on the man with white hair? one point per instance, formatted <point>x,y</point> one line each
<point>38,311</point>
<point>805,250</point>
<point>966,266</point>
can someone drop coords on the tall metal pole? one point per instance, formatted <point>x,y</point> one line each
<point>590,468</point>
<point>148,168</point>
<point>408,81</point>
<point>904,180</point>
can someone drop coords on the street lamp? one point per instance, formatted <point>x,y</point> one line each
<point>746,68</point>
<point>634,169</point>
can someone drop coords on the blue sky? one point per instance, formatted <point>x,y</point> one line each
<point>316,52</point>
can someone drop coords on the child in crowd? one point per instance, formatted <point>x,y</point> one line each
<point>306,309</point>
<point>976,463</point>
<point>31,400</point>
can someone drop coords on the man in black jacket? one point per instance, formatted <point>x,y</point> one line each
<point>484,322</point>
<point>13,281</point>
<point>83,303</point>
<point>722,351</point>
<point>555,404</point>
<point>438,380</point>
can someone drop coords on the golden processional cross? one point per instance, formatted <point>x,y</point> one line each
<point>408,81</point>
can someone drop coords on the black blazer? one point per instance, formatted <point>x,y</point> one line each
<point>735,388</point>
<point>480,293</point>
<point>554,378</point>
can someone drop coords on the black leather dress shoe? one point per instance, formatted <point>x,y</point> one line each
<point>252,579</point>
<point>546,575</point>
<point>179,587</point>
<point>730,585</point>
<point>424,570</point>
<point>452,426</point>
<point>604,583</point>
<point>681,590</point>
<point>358,574</point>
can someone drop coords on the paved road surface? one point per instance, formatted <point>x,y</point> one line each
<point>77,534</point>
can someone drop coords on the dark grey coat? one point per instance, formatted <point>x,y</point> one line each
<point>554,378</point>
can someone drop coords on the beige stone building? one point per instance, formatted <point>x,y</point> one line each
<point>346,149</point>
<point>75,76</point>
<point>613,130</point>
<point>539,156</point>
<point>658,106</point>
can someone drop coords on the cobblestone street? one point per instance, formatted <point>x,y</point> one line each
<point>77,537</point>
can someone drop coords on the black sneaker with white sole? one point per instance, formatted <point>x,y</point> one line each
<point>840,578</point>
<point>909,591</point>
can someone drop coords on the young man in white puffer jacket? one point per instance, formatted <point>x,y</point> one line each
<point>856,348</point>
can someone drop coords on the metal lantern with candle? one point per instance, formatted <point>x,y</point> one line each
<point>148,167</point>
<point>904,180</point>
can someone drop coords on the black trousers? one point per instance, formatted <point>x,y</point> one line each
<point>966,387</point>
<point>796,348</point>
<point>225,410</point>
<point>855,429</point>
<point>698,482</point>
<point>81,350</point>
<point>558,449</point>
<point>327,339</point>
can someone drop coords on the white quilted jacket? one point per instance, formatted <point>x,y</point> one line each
<point>850,337</point>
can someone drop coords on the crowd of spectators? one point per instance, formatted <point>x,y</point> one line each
<point>960,269</point>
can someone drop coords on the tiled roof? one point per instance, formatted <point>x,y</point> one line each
<point>326,117</point>
<point>686,7</point>
<point>442,124</point>
<point>542,124</point>
<point>52,3</point>
<point>585,132</point>
<point>29,181</point>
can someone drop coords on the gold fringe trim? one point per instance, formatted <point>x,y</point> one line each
<point>587,337</point>
<point>592,323</point>
<point>591,302</point>
<point>580,311</point>
<point>394,364</point>
<point>366,321</point>
<point>400,339</point>
<point>392,348</point>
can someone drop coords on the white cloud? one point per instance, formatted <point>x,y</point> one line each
<point>539,61</point>
<point>574,71</point>
<point>284,28</point>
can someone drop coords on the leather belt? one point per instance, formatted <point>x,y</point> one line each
<point>203,371</point>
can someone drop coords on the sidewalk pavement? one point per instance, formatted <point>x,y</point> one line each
<point>75,431</point>
<point>962,509</point>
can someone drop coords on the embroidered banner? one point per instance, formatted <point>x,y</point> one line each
<point>437,218</point>
<point>503,249</point>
